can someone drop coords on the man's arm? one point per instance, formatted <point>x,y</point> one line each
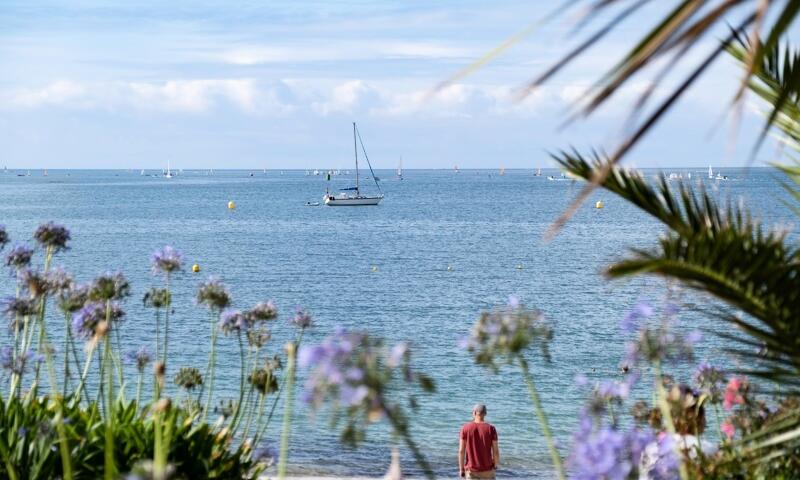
<point>496,453</point>
<point>461,457</point>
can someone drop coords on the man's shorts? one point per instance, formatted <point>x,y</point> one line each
<point>490,475</point>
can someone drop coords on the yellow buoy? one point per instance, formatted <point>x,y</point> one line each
<point>599,204</point>
<point>195,268</point>
<point>231,205</point>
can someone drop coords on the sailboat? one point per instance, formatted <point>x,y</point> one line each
<point>400,169</point>
<point>345,198</point>
<point>710,172</point>
<point>502,170</point>
<point>169,173</point>
<point>538,172</point>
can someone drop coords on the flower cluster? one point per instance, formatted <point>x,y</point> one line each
<point>213,294</point>
<point>734,393</point>
<point>73,298</point>
<point>354,371</point>
<point>608,393</point>
<point>85,321</point>
<point>52,235</point>
<point>263,378</point>
<point>157,298</point>
<point>14,307</point>
<point>141,358</point>
<point>233,321</point>
<point>605,452</point>
<point>19,257</point>
<point>188,378</point>
<point>166,260</point>
<point>661,343</point>
<point>302,318</point>
<point>506,332</point>
<point>709,379</point>
<point>16,364</point>
<point>109,286</point>
<point>262,311</point>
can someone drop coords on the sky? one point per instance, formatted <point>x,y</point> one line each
<point>277,84</point>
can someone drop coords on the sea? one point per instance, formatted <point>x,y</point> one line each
<point>441,248</point>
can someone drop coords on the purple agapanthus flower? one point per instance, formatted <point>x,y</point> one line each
<point>262,311</point>
<point>52,235</point>
<point>19,256</point>
<point>213,294</point>
<point>302,318</point>
<point>605,452</point>
<point>33,281</point>
<point>58,280</point>
<point>86,320</point>
<point>110,286</point>
<point>17,364</point>
<point>14,307</point>
<point>140,357</point>
<point>166,260</point>
<point>631,322</point>
<point>4,237</point>
<point>231,321</point>
<point>710,380</point>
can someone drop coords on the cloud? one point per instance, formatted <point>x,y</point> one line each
<point>340,51</point>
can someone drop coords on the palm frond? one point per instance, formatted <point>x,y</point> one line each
<point>720,250</point>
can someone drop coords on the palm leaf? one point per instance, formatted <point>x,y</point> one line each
<point>720,250</point>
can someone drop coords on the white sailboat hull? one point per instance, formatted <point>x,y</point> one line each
<point>349,201</point>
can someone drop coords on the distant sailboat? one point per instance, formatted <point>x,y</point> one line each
<point>455,169</point>
<point>141,173</point>
<point>169,172</point>
<point>348,199</point>
<point>710,172</point>
<point>538,172</point>
<point>502,170</point>
<point>45,172</point>
<point>400,169</point>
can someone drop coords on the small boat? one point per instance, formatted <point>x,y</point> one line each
<point>44,173</point>
<point>710,172</point>
<point>141,173</point>
<point>538,173</point>
<point>347,199</point>
<point>502,170</point>
<point>721,176</point>
<point>169,172</point>
<point>312,204</point>
<point>400,169</point>
<point>455,169</point>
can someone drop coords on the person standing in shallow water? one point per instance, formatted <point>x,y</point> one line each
<point>478,451</point>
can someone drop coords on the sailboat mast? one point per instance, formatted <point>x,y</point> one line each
<point>355,149</point>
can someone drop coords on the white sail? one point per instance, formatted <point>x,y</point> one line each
<point>710,172</point>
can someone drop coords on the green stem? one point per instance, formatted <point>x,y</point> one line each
<point>139,389</point>
<point>277,396</point>
<point>537,404</point>
<point>84,374</point>
<point>212,360</point>
<point>166,320</point>
<point>158,334</point>
<point>288,405</point>
<point>12,472</point>
<point>237,412</point>
<point>402,430</point>
<point>109,467</point>
<point>666,414</point>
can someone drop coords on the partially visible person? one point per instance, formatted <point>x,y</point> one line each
<point>689,419</point>
<point>478,451</point>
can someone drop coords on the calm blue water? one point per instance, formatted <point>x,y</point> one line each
<point>272,246</point>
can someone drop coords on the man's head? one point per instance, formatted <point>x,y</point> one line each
<point>479,411</point>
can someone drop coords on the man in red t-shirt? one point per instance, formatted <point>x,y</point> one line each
<point>478,452</point>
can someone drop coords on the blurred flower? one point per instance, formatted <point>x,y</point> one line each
<point>141,358</point>
<point>265,454</point>
<point>666,459</point>
<point>709,379</point>
<point>603,452</point>
<point>506,332</point>
<point>353,371</point>
<point>610,392</point>
<point>17,364</point>
<point>86,320</point>
<point>14,308</point>
<point>233,321</point>
<point>630,323</point>
<point>728,429</point>
<point>73,298</point>
<point>264,379</point>
<point>4,237</point>
<point>19,257</point>
<point>262,311</point>
<point>661,343</point>
<point>110,286</point>
<point>58,280</point>
<point>52,235</point>
<point>33,282</point>
<point>302,318</point>
<point>166,260</point>
<point>258,338</point>
<point>157,298</point>
<point>188,378</point>
<point>213,294</point>
<point>732,395</point>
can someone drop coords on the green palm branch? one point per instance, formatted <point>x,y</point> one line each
<point>721,250</point>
